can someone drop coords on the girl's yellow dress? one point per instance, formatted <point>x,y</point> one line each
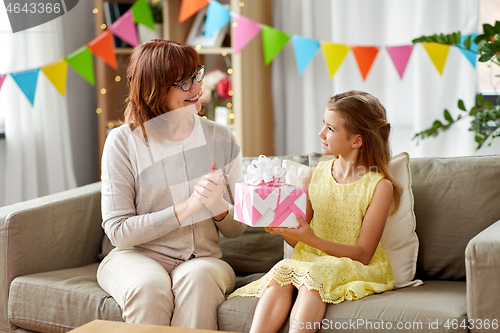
<point>339,210</point>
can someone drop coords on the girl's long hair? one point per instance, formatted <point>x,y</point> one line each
<point>153,68</point>
<point>366,116</point>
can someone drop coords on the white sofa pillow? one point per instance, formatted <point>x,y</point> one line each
<point>399,239</point>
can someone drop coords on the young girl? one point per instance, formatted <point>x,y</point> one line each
<point>337,255</point>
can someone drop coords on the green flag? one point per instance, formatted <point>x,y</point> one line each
<point>81,61</point>
<point>142,14</point>
<point>273,41</point>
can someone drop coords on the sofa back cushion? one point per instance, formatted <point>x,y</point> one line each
<point>455,199</point>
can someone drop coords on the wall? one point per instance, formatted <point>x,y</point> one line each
<point>81,96</point>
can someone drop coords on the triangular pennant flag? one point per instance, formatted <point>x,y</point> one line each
<point>81,61</point>
<point>471,54</point>
<point>27,81</point>
<point>2,78</point>
<point>273,41</point>
<point>125,29</point>
<point>438,54</point>
<point>103,47</point>
<point>365,56</point>
<point>142,14</point>
<point>57,73</point>
<point>334,55</point>
<point>305,49</point>
<point>217,17</point>
<point>190,7</point>
<point>400,56</point>
<point>244,30</point>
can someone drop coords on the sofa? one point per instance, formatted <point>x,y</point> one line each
<point>49,251</point>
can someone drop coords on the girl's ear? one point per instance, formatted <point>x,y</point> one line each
<point>358,141</point>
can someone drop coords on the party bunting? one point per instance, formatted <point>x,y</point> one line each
<point>2,78</point>
<point>190,7</point>
<point>57,73</point>
<point>244,30</point>
<point>142,14</point>
<point>273,41</point>
<point>27,81</point>
<point>125,29</point>
<point>305,49</point>
<point>217,17</point>
<point>400,56</point>
<point>104,47</point>
<point>81,61</point>
<point>334,55</point>
<point>365,56</point>
<point>438,54</point>
<point>471,54</point>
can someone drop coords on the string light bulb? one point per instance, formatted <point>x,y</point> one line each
<point>98,111</point>
<point>229,71</point>
<point>235,25</point>
<point>242,4</point>
<point>231,116</point>
<point>198,47</point>
<point>103,26</point>
<point>224,53</point>
<point>118,78</point>
<point>95,11</point>
<point>229,105</point>
<point>110,125</point>
<point>230,93</point>
<point>103,91</point>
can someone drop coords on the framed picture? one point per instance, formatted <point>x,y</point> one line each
<point>197,33</point>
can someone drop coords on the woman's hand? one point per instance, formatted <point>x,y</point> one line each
<point>209,191</point>
<point>303,233</point>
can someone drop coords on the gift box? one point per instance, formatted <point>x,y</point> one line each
<point>264,200</point>
<point>269,206</point>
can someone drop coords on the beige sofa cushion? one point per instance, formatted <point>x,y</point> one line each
<point>60,300</point>
<point>417,308</point>
<point>448,214</point>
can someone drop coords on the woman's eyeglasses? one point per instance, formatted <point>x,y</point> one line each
<point>187,84</point>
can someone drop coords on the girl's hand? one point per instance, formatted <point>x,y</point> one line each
<point>209,190</point>
<point>303,233</point>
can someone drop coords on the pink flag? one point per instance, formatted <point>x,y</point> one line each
<point>124,28</point>
<point>244,30</point>
<point>2,78</point>
<point>400,56</point>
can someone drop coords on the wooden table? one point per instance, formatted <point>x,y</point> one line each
<point>105,326</point>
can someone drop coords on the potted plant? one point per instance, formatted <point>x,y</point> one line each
<point>484,116</point>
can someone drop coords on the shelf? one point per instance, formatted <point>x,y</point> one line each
<point>214,50</point>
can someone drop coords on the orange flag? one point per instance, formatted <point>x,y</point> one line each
<point>190,7</point>
<point>103,47</point>
<point>365,56</point>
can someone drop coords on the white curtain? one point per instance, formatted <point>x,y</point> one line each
<point>35,158</point>
<point>412,103</point>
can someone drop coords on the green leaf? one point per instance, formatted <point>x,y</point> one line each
<point>461,105</point>
<point>480,99</point>
<point>479,139</point>
<point>467,42</point>
<point>488,30</point>
<point>473,111</point>
<point>437,124</point>
<point>489,105</point>
<point>448,116</point>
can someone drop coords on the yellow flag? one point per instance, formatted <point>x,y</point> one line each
<point>334,55</point>
<point>57,73</point>
<point>438,53</point>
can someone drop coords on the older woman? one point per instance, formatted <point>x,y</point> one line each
<point>163,199</point>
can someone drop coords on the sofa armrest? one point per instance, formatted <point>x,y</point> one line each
<point>58,231</point>
<point>482,262</point>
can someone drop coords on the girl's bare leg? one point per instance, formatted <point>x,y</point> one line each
<point>272,309</point>
<point>307,312</point>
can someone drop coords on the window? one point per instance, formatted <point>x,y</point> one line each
<point>488,74</point>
